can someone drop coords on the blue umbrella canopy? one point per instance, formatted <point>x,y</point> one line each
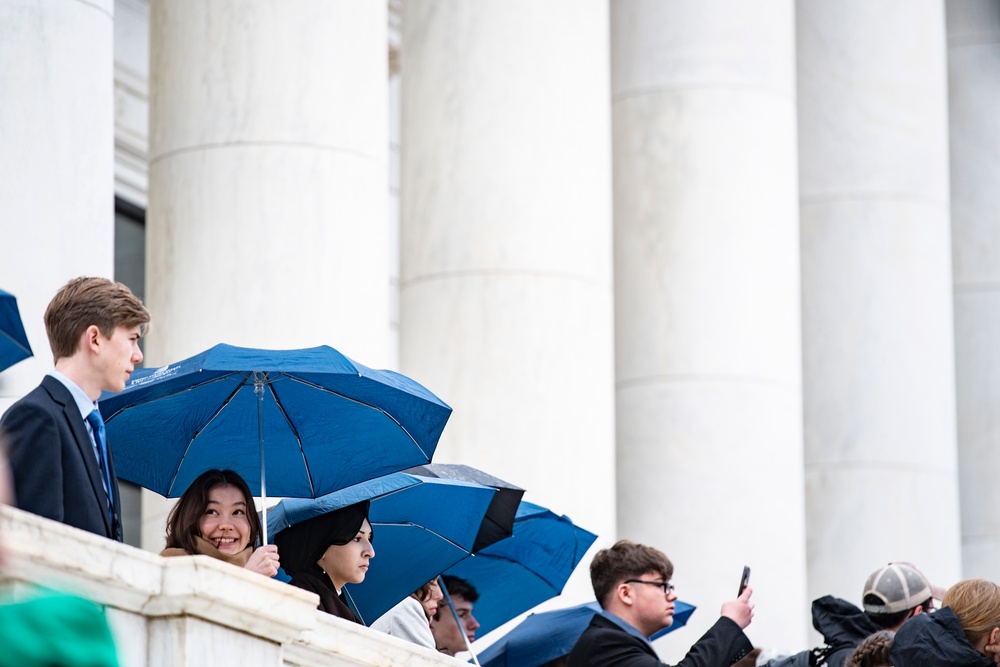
<point>499,521</point>
<point>315,420</point>
<point>14,346</point>
<point>548,635</point>
<point>524,570</point>
<point>421,526</point>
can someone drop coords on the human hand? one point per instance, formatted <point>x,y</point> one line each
<point>264,560</point>
<point>740,610</point>
<point>993,652</point>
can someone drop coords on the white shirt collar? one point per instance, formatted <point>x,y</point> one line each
<point>83,401</point>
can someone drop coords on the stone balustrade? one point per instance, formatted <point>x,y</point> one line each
<point>194,610</point>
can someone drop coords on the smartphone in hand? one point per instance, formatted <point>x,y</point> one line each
<point>744,580</point>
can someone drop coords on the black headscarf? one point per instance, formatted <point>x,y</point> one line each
<point>301,545</point>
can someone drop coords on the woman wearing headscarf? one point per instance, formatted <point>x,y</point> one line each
<point>324,553</point>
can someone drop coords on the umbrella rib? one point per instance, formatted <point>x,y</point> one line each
<point>367,405</point>
<point>222,406</point>
<point>426,530</point>
<point>520,564</point>
<point>178,392</point>
<point>298,438</point>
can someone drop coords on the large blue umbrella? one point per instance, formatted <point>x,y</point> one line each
<point>543,637</point>
<point>14,345</point>
<point>421,526</point>
<point>313,420</point>
<point>515,574</point>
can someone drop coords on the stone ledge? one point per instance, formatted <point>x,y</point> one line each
<point>335,642</point>
<point>226,595</point>
<point>44,552</point>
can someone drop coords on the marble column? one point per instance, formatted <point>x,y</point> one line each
<point>505,301</point>
<point>974,98</point>
<point>878,351</point>
<point>268,177</point>
<point>707,301</point>
<point>56,169</point>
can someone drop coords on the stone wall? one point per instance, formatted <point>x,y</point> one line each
<point>188,611</point>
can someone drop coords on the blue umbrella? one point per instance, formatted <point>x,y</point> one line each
<point>499,521</point>
<point>314,420</point>
<point>546,636</point>
<point>421,526</point>
<point>515,574</point>
<point>14,346</point>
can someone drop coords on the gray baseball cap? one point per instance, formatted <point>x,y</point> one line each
<point>898,587</point>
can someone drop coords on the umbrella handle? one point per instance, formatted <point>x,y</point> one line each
<point>458,621</point>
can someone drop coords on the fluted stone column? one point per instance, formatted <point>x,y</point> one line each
<point>974,98</point>
<point>878,350</point>
<point>56,160</point>
<point>268,163</point>
<point>506,227</point>
<point>707,302</point>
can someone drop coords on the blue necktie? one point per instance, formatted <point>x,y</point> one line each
<point>97,425</point>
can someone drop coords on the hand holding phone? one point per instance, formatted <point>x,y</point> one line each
<point>744,580</point>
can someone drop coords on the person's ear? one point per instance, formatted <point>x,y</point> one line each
<point>624,594</point>
<point>91,338</point>
<point>994,636</point>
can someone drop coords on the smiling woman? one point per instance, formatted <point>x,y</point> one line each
<point>216,517</point>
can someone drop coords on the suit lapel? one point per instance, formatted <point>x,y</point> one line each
<point>60,394</point>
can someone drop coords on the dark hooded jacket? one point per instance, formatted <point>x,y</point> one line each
<point>930,640</point>
<point>843,627</point>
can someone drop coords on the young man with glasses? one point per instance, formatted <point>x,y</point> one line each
<point>632,585</point>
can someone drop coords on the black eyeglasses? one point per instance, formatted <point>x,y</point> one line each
<point>667,587</point>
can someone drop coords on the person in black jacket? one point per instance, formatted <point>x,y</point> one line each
<point>964,633</point>
<point>632,584</point>
<point>892,594</point>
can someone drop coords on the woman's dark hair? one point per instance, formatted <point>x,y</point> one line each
<point>423,594</point>
<point>304,543</point>
<point>182,522</point>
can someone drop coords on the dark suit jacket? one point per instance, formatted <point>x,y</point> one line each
<point>606,644</point>
<point>56,474</point>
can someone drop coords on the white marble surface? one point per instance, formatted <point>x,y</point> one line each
<point>209,589</point>
<point>337,643</point>
<point>878,351</point>
<point>707,303</point>
<point>268,148</point>
<point>56,169</point>
<point>188,610</point>
<point>130,630</point>
<point>505,301</point>
<point>186,640</point>
<point>131,100</point>
<point>41,550</point>
<point>973,99</point>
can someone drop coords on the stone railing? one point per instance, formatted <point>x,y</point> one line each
<point>194,610</point>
